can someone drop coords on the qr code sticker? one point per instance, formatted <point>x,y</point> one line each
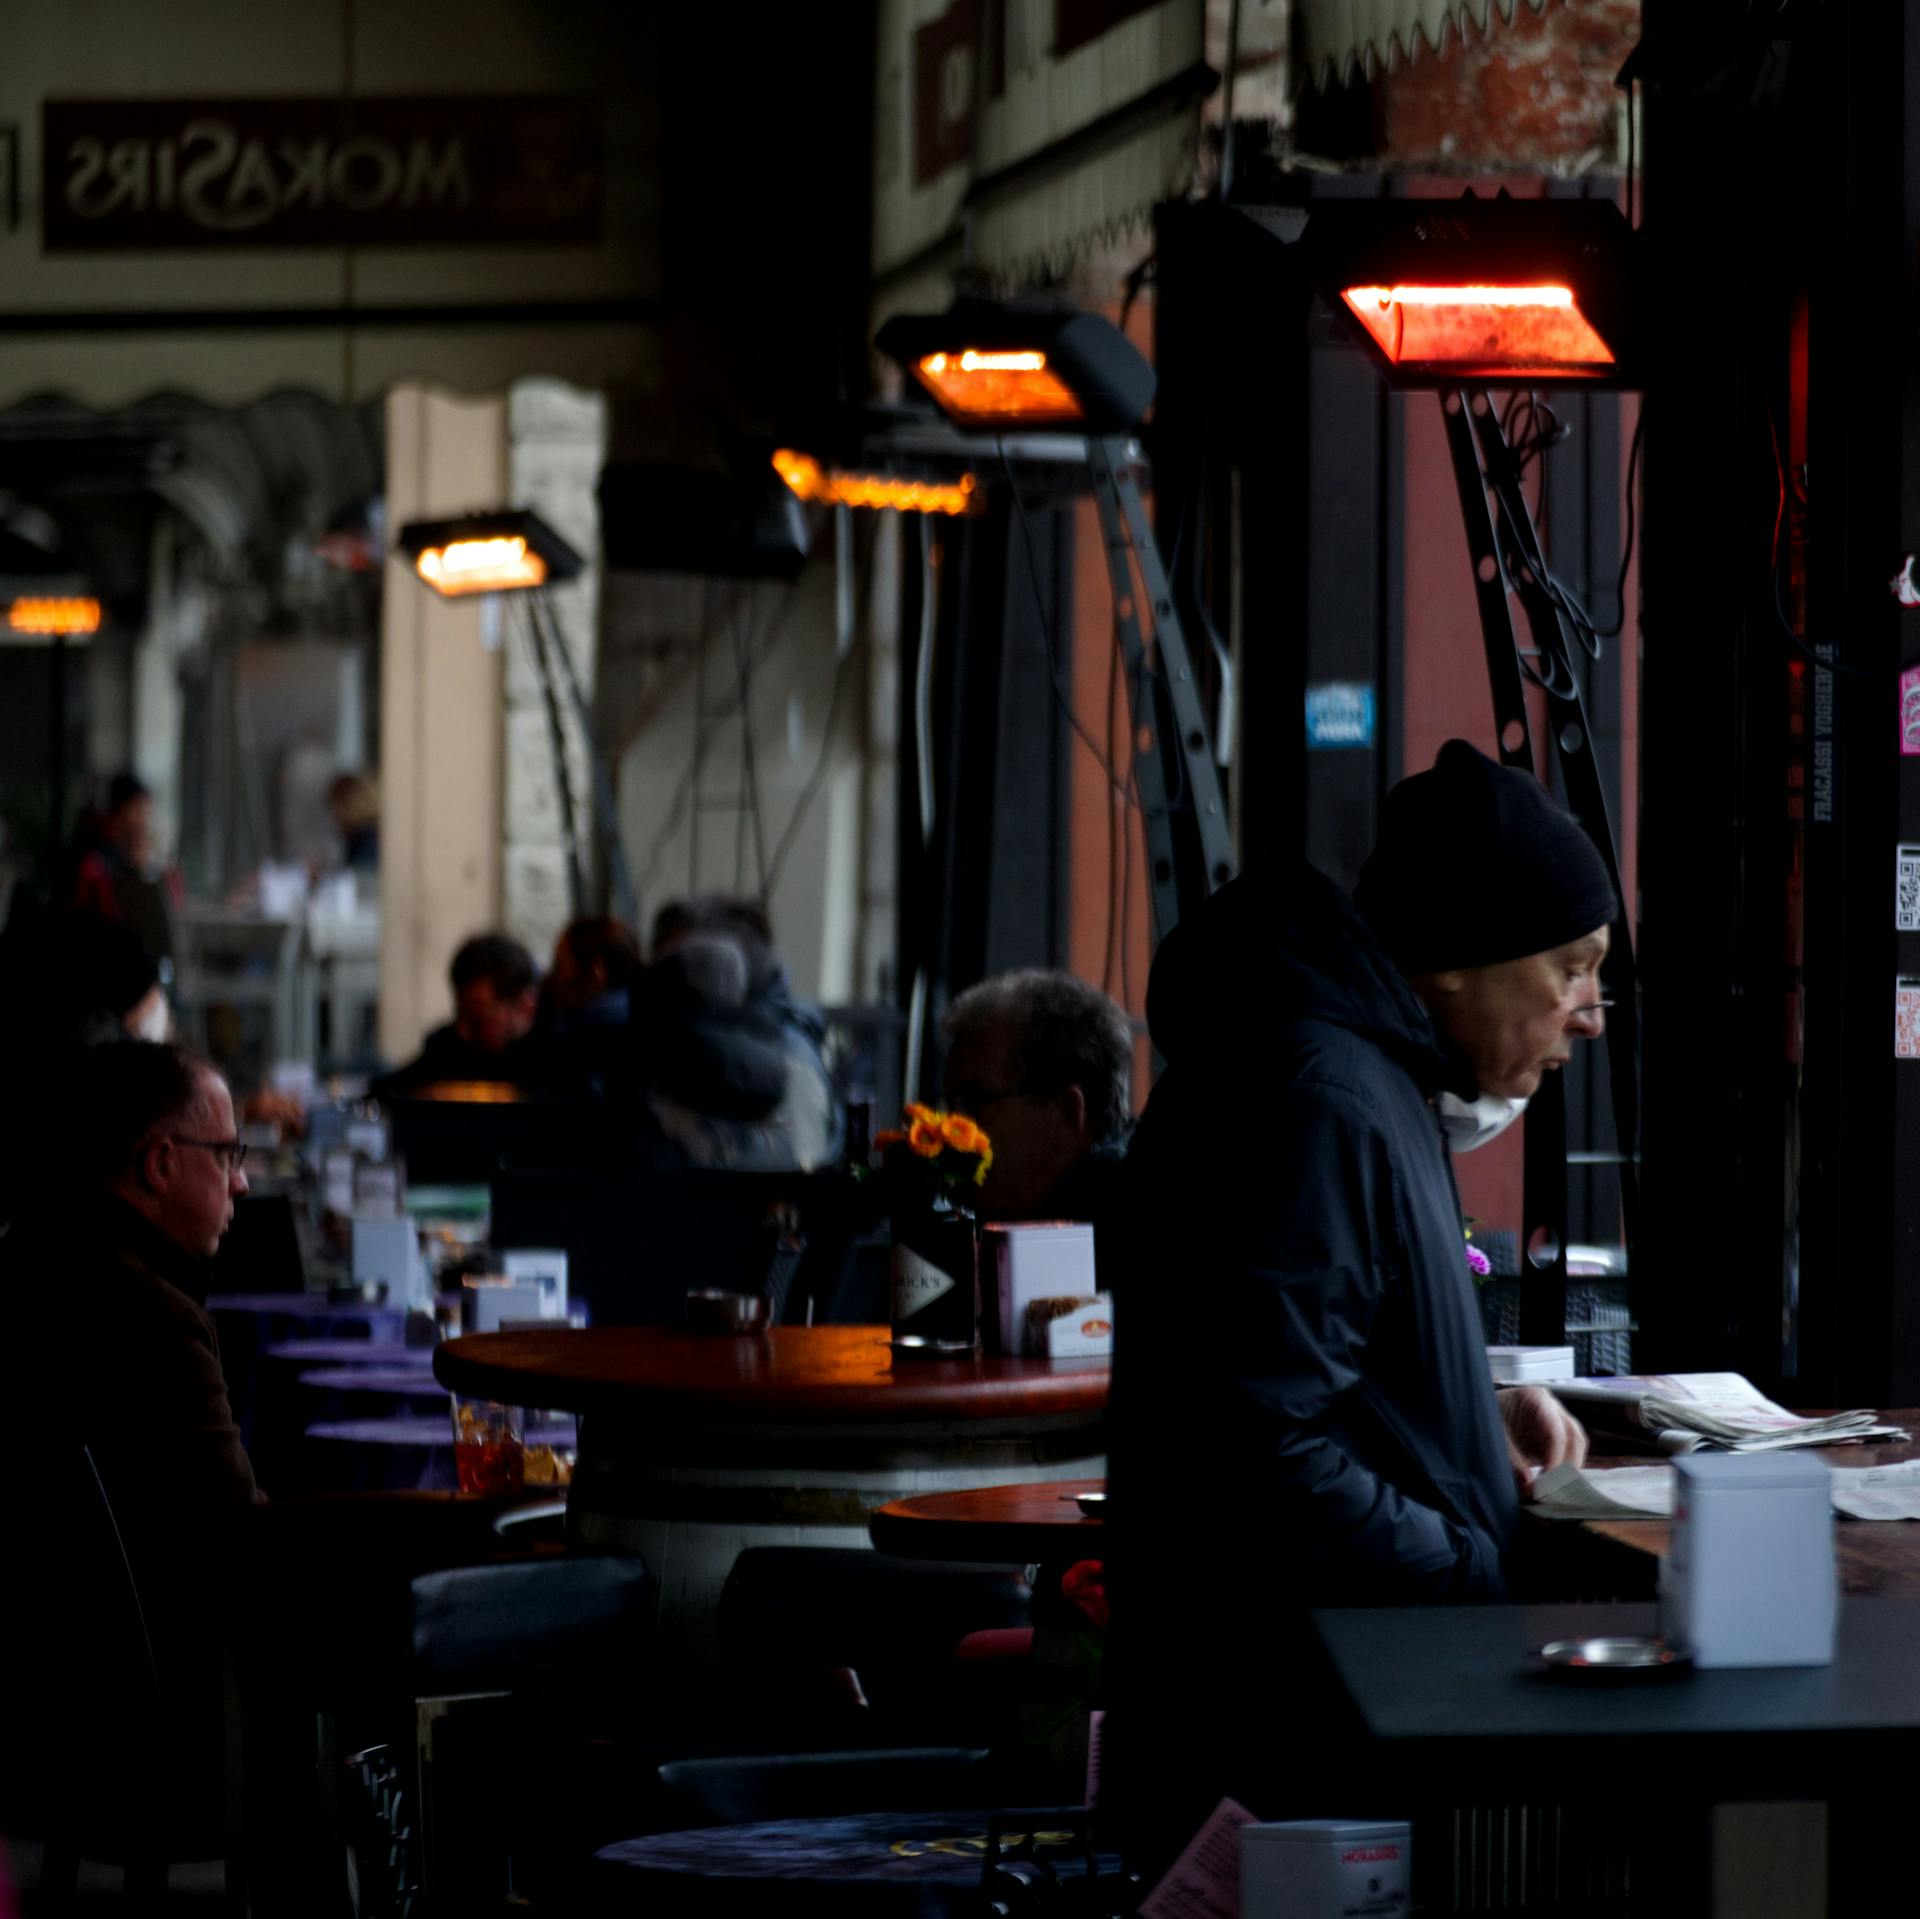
<point>1906,889</point>
<point>1906,1019</point>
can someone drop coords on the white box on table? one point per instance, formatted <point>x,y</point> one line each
<point>545,1267</point>
<point>1325,1868</point>
<point>1086,1333</point>
<point>1047,1259</point>
<point>386,1252</point>
<point>1528,1365</point>
<point>1749,1579</point>
<point>491,1300</point>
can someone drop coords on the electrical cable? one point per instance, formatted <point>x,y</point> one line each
<point>750,783</point>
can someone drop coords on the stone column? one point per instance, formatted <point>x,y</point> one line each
<point>440,722</point>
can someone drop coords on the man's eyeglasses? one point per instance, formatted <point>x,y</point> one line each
<point>232,1153</point>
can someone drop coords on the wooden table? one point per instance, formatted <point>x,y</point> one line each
<point>1038,1523</point>
<point>694,1446</point>
<point>1878,1559</point>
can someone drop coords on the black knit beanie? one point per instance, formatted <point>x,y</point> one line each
<point>1475,864</point>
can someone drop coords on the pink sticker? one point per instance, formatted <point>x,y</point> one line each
<point>1906,1019</point>
<point>1910,711</point>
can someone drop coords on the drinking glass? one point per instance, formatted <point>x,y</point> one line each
<point>489,1451</point>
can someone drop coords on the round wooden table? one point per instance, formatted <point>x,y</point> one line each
<point>694,1446</point>
<point>1039,1523</point>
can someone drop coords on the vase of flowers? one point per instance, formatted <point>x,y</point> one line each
<point>933,1169</point>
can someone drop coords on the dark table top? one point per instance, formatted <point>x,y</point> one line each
<point>794,1374</point>
<point>1433,1676</point>
<point>997,1524</point>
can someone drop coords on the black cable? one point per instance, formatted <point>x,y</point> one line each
<point>750,783</point>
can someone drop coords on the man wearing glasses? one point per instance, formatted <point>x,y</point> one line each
<point>108,1343</point>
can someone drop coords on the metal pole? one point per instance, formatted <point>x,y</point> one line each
<point>557,744</point>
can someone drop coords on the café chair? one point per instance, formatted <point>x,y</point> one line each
<point>123,1782</point>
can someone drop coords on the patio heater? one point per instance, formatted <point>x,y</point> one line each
<point>996,370</point>
<point>515,551</point>
<point>1457,296</point>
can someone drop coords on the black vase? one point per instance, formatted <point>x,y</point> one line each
<point>936,1284</point>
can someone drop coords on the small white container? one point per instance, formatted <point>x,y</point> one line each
<point>1749,1579</point>
<point>1051,1259</point>
<point>1326,1869</point>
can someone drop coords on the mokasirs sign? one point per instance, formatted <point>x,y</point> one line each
<point>431,171</point>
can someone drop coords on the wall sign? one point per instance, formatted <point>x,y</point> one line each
<point>119,175</point>
<point>1340,713</point>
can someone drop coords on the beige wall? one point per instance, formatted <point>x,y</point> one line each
<point>441,732</point>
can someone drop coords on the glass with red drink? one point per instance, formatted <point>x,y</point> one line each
<point>489,1450</point>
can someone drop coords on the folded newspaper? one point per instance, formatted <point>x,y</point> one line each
<point>1682,1412</point>
<point>1646,1492</point>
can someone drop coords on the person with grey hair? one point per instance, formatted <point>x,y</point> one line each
<point>1043,1062</point>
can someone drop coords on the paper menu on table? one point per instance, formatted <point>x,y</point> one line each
<point>1614,1492</point>
<point>1646,1492</point>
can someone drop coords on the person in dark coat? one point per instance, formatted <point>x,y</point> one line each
<point>1302,1412</point>
<point>108,1344</point>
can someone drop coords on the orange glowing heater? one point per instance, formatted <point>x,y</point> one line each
<point>839,486</point>
<point>54,617</point>
<point>1023,366</point>
<point>488,553</point>
<point>1460,291</point>
<point>1482,332</point>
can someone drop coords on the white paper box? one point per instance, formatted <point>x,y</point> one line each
<point>492,1301</point>
<point>545,1267</point>
<point>1050,1260</point>
<point>1527,1365</point>
<point>1749,1579</point>
<point>1086,1334</point>
<point>1325,1869</point>
<point>386,1252</point>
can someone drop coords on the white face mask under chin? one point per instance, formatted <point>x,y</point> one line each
<point>156,1023</point>
<point>1471,1123</point>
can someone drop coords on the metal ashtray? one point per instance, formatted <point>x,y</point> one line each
<point>1093,1505</point>
<point>711,1310</point>
<point>1625,1657</point>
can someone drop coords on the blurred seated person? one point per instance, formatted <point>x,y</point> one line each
<point>353,804</point>
<point>1043,1063</point>
<point>586,1002</point>
<point>727,1065</point>
<point>114,872</point>
<point>108,1343</point>
<point>495,998</point>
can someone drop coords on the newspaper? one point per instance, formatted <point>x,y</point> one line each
<point>1681,1412</point>
<point>1646,1492</point>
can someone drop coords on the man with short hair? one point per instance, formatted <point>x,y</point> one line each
<point>1302,1403</point>
<point>495,999</point>
<point>1043,1063</point>
<point>108,1342</point>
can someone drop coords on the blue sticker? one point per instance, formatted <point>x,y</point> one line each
<point>1340,713</point>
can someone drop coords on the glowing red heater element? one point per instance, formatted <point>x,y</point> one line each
<point>1482,332</point>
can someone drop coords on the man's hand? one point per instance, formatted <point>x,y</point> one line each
<point>1540,1433</point>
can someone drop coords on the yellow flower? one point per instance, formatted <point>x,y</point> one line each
<point>986,1160</point>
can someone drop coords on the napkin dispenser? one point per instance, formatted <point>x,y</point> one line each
<point>1749,1579</point>
<point>1325,1869</point>
<point>1050,1259</point>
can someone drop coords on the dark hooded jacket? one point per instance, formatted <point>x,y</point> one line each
<point>1302,1412</point>
<point>1301,1334</point>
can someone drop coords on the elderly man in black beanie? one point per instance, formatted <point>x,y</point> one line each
<point>1301,1391</point>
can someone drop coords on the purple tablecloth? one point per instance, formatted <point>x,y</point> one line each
<point>250,1324</point>
<point>353,1352</point>
<point>399,1455</point>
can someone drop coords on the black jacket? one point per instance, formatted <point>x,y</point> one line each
<point>1302,1413</point>
<point>1301,1350</point>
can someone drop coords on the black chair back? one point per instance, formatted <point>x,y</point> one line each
<point>449,1142</point>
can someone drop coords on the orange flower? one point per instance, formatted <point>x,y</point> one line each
<point>924,1138</point>
<point>962,1134</point>
<point>915,1111</point>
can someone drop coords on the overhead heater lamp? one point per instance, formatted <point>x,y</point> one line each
<point>1007,369</point>
<point>825,484</point>
<point>53,617</point>
<point>515,551</point>
<point>1501,290</point>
